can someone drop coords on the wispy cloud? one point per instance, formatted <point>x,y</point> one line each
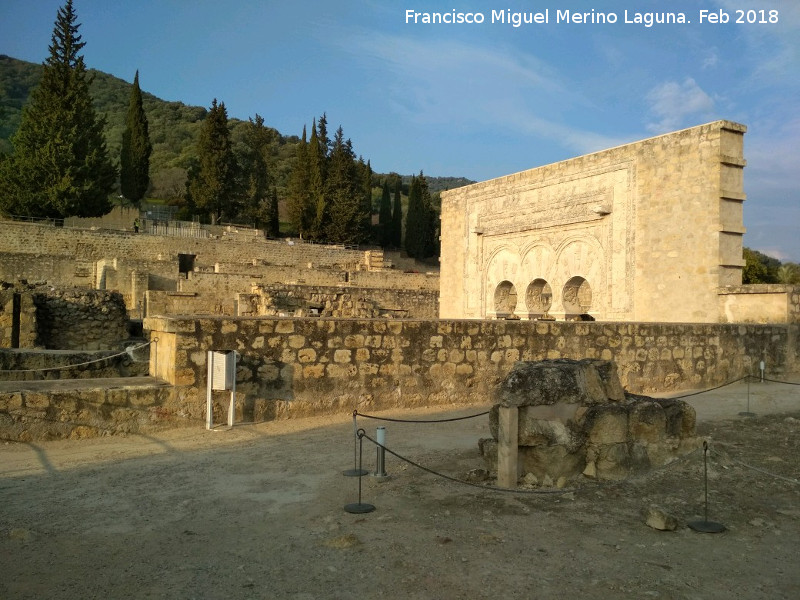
<point>672,102</point>
<point>447,81</point>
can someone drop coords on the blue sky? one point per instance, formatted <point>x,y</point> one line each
<point>478,101</point>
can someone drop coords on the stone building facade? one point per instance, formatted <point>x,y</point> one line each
<point>649,231</point>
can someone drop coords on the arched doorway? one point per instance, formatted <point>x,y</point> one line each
<point>505,300</point>
<point>577,298</point>
<point>538,298</point>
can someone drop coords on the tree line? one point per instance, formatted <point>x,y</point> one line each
<point>61,166</point>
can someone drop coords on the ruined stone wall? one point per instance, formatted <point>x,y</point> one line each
<point>395,280</point>
<point>18,324</point>
<point>340,301</point>
<point>89,245</point>
<point>80,319</point>
<point>763,303</point>
<point>36,365</point>
<point>292,367</point>
<point>189,303</point>
<point>296,300</point>
<point>647,231</point>
<point>80,413</point>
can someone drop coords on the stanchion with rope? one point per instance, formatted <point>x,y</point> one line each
<point>747,412</point>
<point>706,526</point>
<point>359,508</point>
<point>356,471</point>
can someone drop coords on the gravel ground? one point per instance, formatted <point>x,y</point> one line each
<point>257,512</point>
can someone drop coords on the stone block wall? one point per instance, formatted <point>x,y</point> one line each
<point>763,303</point>
<point>80,413</point>
<point>80,319</point>
<point>293,366</point>
<point>647,231</point>
<point>94,245</point>
<point>37,365</point>
<point>339,302</point>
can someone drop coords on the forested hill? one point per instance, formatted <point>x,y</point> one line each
<point>173,127</point>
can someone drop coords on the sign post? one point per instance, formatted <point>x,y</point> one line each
<point>221,376</point>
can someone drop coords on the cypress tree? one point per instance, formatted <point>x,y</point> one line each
<point>298,200</point>
<point>255,169</point>
<point>60,166</point>
<point>214,186</point>
<point>273,218</point>
<point>385,217</point>
<point>420,227</point>
<point>397,215</point>
<point>134,173</point>
<point>318,205</point>
<point>366,200</point>
<point>342,193</point>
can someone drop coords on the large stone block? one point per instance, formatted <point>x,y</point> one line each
<point>647,421</point>
<point>553,381</point>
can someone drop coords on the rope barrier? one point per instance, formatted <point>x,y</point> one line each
<point>461,481</point>
<point>394,420</point>
<point>710,389</point>
<point>593,486</point>
<point>775,380</point>
<point>83,364</point>
<point>728,457</point>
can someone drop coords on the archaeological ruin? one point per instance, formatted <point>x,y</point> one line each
<point>561,418</point>
<point>631,255</point>
<point>649,231</point>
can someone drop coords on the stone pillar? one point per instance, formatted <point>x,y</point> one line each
<point>507,451</point>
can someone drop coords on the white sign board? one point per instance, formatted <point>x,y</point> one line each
<point>223,371</point>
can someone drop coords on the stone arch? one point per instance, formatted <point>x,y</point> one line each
<point>576,297</point>
<point>505,299</point>
<point>502,265</point>
<point>538,298</point>
<point>580,257</point>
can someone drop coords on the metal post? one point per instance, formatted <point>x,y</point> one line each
<point>232,407</point>
<point>209,403</point>
<point>356,471</point>
<point>706,526</point>
<point>747,413</point>
<point>380,460</point>
<point>359,507</point>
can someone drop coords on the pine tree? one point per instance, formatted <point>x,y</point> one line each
<point>134,173</point>
<point>213,188</point>
<point>385,217</point>
<point>60,166</point>
<point>397,214</point>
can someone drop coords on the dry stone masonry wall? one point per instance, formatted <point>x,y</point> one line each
<point>294,366</point>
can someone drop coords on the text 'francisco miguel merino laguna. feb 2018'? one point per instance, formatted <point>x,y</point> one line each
<point>592,17</point>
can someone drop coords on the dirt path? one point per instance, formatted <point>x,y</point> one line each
<point>257,512</point>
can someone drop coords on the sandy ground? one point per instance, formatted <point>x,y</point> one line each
<point>258,512</point>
